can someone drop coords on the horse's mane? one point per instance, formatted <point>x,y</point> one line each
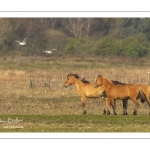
<point>117,82</point>
<point>77,77</point>
<point>114,82</point>
<point>85,81</point>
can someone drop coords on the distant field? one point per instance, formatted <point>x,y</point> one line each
<point>27,93</point>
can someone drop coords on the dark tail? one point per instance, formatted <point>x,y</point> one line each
<point>141,96</point>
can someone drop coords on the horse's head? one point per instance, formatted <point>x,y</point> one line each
<point>70,79</point>
<point>98,81</point>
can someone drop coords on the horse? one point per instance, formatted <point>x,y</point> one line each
<point>125,102</point>
<point>123,92</point>
<point>84,88</point>
<point>74,79</point>
<point>142,94</point>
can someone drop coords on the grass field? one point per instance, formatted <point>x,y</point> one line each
<point>77,123</point>
<point>59,109</point>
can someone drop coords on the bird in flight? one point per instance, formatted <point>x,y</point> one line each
<point>49,52</point>
<point>24,41</point>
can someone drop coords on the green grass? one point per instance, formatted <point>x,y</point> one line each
<point>48,66</point>
<point>35,63</point>
<point>77,123</point>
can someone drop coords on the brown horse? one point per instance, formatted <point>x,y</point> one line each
<point>125,102</point>
<point>84,88</point>
<point>143,95</point>
<point>123,92</point>
<point>74,79</point>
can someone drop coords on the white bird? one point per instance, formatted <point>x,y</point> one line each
<point>49,52</point>
<point>24,41</point>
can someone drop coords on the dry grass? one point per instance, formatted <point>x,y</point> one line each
<point>18,98</point>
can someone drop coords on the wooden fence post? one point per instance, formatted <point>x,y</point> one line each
<point>31,84</point>
<point>139,79</point>
<point>148,77</point>
<point>62,80</point>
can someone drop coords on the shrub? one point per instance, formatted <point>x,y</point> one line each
<point>108,46</point>
<point>82,45</point>
<point>135,46</point>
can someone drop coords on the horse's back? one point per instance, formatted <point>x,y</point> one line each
<point>125,91</point>
<point>144,87</point>
<point>90,91</point>
<point>118,91</point>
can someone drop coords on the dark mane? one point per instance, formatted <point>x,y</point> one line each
<point>75,75</point>
<point>85,81</point>
<point>117,82</point>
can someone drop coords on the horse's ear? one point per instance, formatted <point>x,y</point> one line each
<point>69,74</point>
<point>100,76</point>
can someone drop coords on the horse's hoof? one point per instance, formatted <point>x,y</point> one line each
<point>115,113</point>
<point>134,113</point>
<point>125,113</point>
<point>85,112</point>
<point>104,112</point>
<point>108,113</point>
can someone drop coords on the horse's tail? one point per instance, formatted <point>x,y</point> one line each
<point>141,96</point>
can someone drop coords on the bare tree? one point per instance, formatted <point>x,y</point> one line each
<point>74,25</point>
<point>89,22</point>
<point>49,22</point>
<point>79,27</point>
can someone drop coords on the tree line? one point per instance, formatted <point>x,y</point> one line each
<point>127,37</point>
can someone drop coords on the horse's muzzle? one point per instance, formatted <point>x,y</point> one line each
<point>65,86</point>
<point>95,86</point>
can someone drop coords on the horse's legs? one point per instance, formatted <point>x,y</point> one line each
<point>136,105</point>
<point>107,108</point>
<point>146,96</point>
<point>148,101</point>
<point>105,111</point>
<point>148,105</point>
<point>113,104</point>
<point>84,105</point>
<point>125,105</point>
